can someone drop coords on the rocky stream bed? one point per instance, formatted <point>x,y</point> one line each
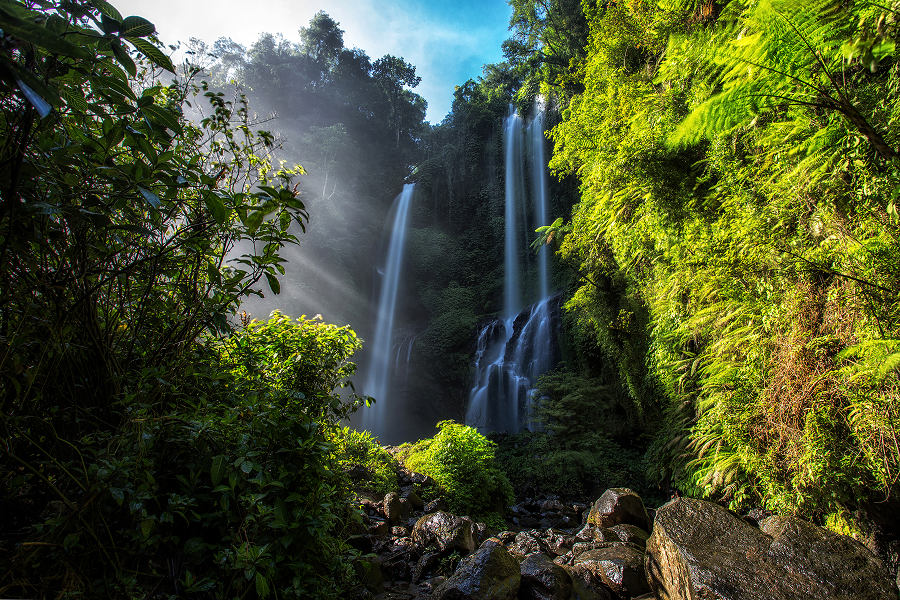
<point>611,549</point>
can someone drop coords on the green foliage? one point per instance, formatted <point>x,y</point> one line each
<point>360,448</point>
<point>147,446</point>
<point>461,462</point>
<point>588,440</point>
<point>744,278</point>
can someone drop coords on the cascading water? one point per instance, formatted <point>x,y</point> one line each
<point>513,351</point>
<point>513,190</point>
<point>380,371</point>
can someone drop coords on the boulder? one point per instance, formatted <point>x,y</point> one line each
<point>619,505</point>
<point>379,528</point>
<point>446,532</point>
<point>700,550</point>
<point>618,567</point>
<point>414,499</point>
<point>544,580</point>
<point>559,542</point>
<point>491,573</point>
<point>529,542</point>
<point>391,508</point>
<point>630,533</point>
<point>435,505</point>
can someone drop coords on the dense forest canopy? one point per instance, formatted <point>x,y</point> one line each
<point>724,220</point>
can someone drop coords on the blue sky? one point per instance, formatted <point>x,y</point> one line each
<point>447,41</point>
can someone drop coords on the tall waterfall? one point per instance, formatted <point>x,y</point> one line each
<point>514,189</point>
<point>514,350</point>
<point>380,371</point>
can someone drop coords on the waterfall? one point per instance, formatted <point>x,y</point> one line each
<point>514,350</point>
<point>379,372</point>
<point>514,189</point>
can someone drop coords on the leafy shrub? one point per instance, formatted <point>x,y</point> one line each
<point>461,462</point>
<point>360,448</point>
<point>232,490</point>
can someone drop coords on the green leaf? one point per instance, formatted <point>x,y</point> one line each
<point>253,220</point>
<point>27,77</point>
<point>124,59</point>
<point>137,27</point>
<point>70,541</point>
<point>163,116</point>
<point>216,207</point>
<point>273,283</point>
<point>38,35</point>
<point>153,54</point>
<point>113,84</point>
<point>282,514</point>
<point>217,472</point>
<point>107,9</point>
<point>262,586</point>
<point>151,198</point>
<point>146,527</point>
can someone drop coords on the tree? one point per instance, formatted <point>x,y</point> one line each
<point>322,40</point>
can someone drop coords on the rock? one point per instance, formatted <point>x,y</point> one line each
<point>368,569</point>
<point>491,573</point>
<point>630,533</point>
<point>435,505</point>
<point>446,532</point>
<point>391,505</point>
<point>527,522</point>
<point>619,505</point>
<point>359,473</point>
<point>544,580</point>
<point>552,505</point>
<point>528,542</point>
<point>619,567</point>
<point>414,500</point>
<point>399,531</point>
<point>420,479</point>
<point>379,528</point>
<point>558,542</point>
<point>700,550</point>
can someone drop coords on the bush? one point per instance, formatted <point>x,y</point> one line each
<point>233,489</point>
<point>360,448</point>
<point>461,462</point>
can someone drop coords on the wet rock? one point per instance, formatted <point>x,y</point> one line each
<point>379,528</point>
<point>544,580</point>
<point>618,567</point>
<point>420,479</point>
<point>368,570</point>
<point>558,542</point>
<point>630,533</point>
<point>399,531</point>
<point>528,542</point>
<point>619,505</point>
<point>435,505</point>
<point>552,505</point>
<point>700,550</point>
<point>446,532</point>
<point>414,499</point>
<point>391,506</point>
<point>527,522</point>
<point>491,573</point>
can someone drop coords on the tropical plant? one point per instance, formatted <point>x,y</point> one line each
<point>461,461</point>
